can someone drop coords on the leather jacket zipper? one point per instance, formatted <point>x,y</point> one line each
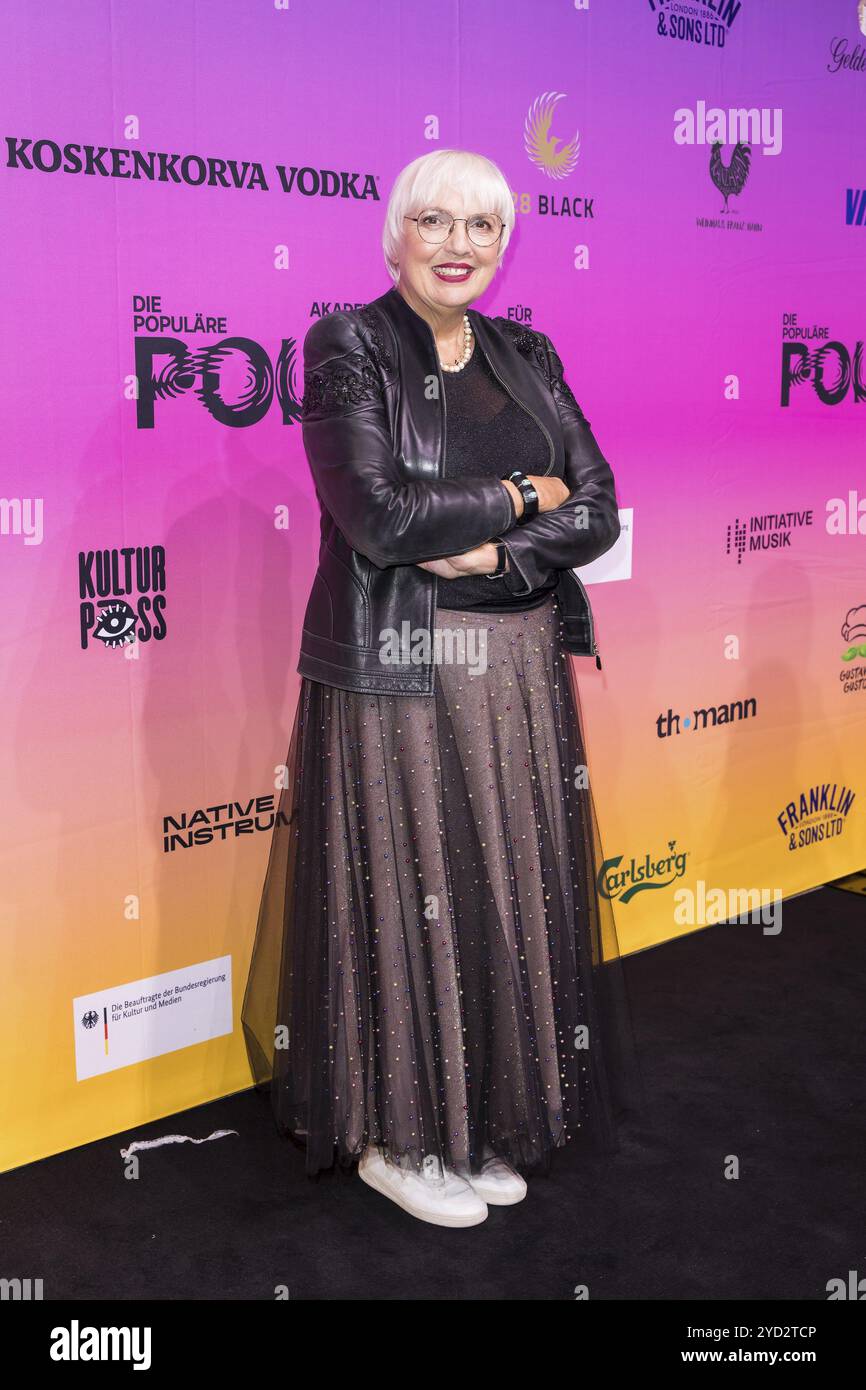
<point>440,469</point>
<point>525,407</point>
<point>592,641</point>
<point>542,427</point>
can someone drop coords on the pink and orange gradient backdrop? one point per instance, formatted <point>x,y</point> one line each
<point>668,314</point>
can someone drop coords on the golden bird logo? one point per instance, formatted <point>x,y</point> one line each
<point>541,145</point>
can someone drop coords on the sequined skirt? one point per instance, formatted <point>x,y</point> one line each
<point>434,969</point>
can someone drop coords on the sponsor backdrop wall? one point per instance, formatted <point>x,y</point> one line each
<point>185,189</point>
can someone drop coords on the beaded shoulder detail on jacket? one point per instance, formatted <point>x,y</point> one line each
<point>531,344</point>
<point>528,341</point>
<point>353,378</point>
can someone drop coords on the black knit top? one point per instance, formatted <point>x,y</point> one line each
<point>488,433</point>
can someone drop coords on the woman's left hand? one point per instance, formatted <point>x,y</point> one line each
<point>480,560</point>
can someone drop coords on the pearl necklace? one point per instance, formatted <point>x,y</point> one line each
<point>467,350</point>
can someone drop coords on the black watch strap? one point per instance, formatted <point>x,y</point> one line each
<point>529,494</point>
<point>501,558</point>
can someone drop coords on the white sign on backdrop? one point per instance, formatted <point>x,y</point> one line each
<point>124,1024</point>
<point>616,562</point>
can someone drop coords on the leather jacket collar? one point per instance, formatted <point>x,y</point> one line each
<point>371,431</point>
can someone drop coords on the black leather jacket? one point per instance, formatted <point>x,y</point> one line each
<point>373,422</point>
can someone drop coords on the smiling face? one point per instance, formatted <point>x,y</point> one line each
<point>423,277</point>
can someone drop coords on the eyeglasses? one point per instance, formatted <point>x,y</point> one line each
<point>484,228</point>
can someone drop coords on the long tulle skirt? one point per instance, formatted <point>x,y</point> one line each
<point>434,970</point>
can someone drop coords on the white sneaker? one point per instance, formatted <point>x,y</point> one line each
<point>497,1183</point>
<point>442,1199</point>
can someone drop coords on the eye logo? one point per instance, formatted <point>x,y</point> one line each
<point>122,595</point>
<point>541,145</point>
<point>115,624</point>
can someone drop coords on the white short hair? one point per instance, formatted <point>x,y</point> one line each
<point>421,185</point>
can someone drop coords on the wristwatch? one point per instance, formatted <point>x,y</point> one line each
<point>501,558</point>
<point>529,494</point>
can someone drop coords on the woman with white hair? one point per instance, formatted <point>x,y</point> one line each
<point>436,990</point>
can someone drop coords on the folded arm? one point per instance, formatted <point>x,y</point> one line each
<point>357,474</point>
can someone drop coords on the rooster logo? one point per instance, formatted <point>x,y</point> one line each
<point>730,178</point>
<point>541,146</point>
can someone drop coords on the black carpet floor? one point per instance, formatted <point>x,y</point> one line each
<point>752,1046</point>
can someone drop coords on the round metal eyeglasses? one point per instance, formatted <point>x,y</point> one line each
<point>484,228</point>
